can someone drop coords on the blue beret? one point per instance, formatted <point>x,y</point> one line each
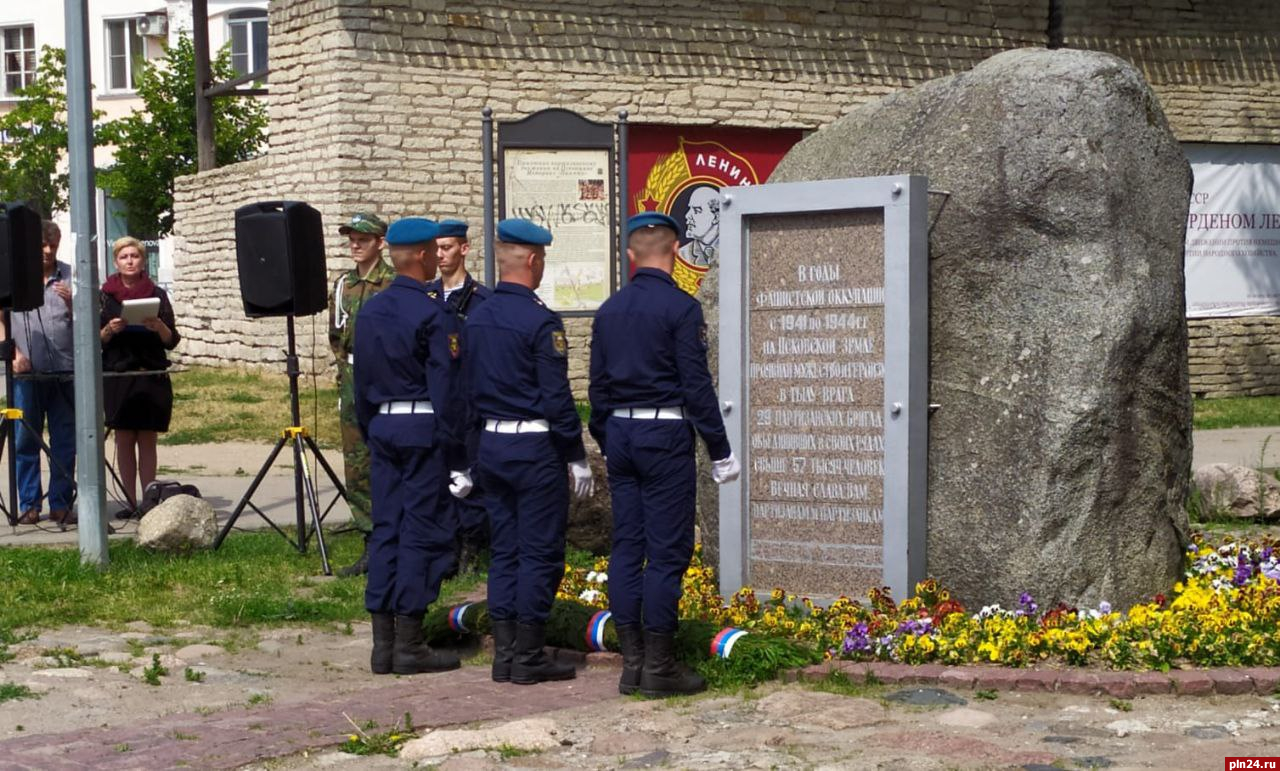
<point>516,231</point>
<point>412,230</point>
<point>452,229</point>
<point>651,219</point>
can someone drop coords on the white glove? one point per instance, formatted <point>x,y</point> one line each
<point>583,484</point>
<point>460,483</point>
<point>726,469</point>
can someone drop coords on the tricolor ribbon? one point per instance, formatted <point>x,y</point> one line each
<point>595,630</point>
<point>456,614</point>
<point>722,643</point>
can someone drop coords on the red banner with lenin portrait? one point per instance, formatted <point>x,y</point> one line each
<point>679,170</point>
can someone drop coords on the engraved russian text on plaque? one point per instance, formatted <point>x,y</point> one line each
<point>815,308</point>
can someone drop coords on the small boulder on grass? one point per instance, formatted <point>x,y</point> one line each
<point>182,523</point>
<point>1230,490</point>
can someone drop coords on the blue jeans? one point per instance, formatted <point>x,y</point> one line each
<point>54,401</point>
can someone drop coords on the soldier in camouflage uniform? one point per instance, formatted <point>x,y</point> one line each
<point>370,275</point>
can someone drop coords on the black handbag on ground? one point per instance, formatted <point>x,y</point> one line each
<point>162,490</point>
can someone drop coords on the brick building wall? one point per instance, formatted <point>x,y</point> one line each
<point>376,105</point>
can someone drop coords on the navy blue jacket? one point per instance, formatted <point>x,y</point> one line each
<point>518,365</point>
<point>649,349</point>
<point>407,348</point>
<point>465,298</point>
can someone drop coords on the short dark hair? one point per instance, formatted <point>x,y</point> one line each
<point>648,242</point>
<point>50,231</point>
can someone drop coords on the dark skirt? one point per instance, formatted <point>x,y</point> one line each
<point>142,403</point>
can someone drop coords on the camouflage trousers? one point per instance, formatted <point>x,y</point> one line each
<point>355,455</point>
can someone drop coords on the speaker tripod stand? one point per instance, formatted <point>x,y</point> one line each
<point>305,496</point>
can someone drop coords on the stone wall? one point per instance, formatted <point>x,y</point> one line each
<point>376,105</point>
<point>1234,357</point>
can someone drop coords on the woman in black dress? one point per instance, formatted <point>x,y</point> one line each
<point>137,407</point>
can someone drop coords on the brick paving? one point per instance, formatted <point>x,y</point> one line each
<point>1263,681</point>
<point>233,738</point>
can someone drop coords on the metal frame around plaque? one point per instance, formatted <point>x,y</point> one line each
<point>904,201</point>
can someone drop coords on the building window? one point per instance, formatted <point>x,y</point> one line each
<point>126,52</point>
<point>115,219</point>
<point>19,58</point>
<point>248,33</point>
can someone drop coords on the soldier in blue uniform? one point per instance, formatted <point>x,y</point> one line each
<point>463,294</point>
<point>518,381</point>
<point>650,391</point>
<point>407,352</point>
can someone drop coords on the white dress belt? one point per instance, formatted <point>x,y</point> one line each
<point>422,407</point>
<point>650,413</point>
<point>516,426</point>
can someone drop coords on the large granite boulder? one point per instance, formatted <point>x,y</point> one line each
<point>1059,461</point>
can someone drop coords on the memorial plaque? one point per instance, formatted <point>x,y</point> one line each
<point>815,301</point>
<point>818,314</point>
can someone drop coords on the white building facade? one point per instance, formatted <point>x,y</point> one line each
<point>123,34</point>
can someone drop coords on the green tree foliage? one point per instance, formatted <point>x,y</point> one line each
<point>36,134</point>
<point>157,144</point>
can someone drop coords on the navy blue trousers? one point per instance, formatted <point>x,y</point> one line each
<point>526,487</point>
<point>653,484</point>
<point>411,546</point>
<point>473,519</point>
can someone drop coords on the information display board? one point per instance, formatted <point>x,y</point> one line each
<point>567,192</point>
<point>556,169</point>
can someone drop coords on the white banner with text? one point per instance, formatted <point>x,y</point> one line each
<point>1233,231</point>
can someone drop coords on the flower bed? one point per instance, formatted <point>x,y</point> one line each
<point>1226,612</point>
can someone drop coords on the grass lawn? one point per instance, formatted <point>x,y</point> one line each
<point>225,405</point>
<point>1241,412</point>
<point>256,578</point>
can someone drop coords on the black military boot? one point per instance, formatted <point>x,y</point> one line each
<point>411,654</point>
<point>531,664</point>
<point>504,647</point>
<point>384,641</point>
<point>631,638</point>
<point>663,675</point>
<point>360,566</point>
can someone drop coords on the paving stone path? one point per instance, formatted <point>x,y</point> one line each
<point>234,738</point>
<point>279,699</point>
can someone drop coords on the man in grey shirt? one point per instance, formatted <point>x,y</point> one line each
<point>42,339</point>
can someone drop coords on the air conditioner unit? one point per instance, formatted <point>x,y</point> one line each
<point>153,25</point>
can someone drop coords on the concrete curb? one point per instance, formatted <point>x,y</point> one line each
<point>1225,681</point>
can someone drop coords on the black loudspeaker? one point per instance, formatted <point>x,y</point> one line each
<point>280,256</point>
<point>21,247</point>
